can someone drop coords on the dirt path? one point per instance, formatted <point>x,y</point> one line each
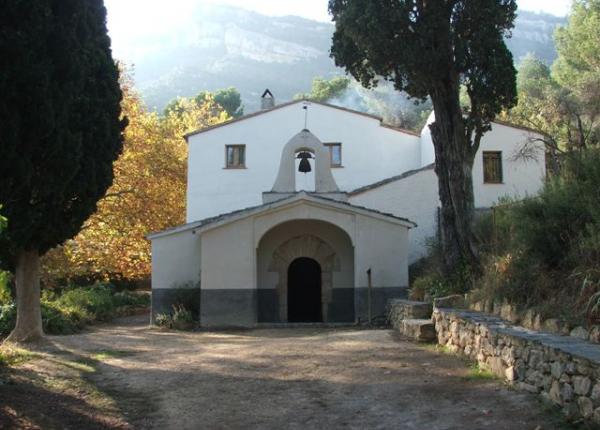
<point>287,379</point>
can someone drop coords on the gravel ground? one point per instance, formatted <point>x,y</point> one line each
<point>293,378</point>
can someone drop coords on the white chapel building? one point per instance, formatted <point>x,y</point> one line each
<point>309,212</point>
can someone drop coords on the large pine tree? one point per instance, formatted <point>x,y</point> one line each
<point>432,49</point>
<point>60,131</point>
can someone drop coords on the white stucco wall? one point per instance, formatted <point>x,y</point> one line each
<point>521,178</point>
<point>176,261</point>
<point>229,252</point>
<point>228,258</point>
<point>370,153</point>
<point>383,248</point>
<point>414,197</point>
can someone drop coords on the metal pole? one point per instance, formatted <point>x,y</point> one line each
<point>494,230</point>
<point>370,284</point>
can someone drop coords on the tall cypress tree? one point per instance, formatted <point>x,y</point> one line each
<point>60,131</point>
<point>431,49</point>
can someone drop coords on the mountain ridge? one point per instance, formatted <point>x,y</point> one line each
<point>223,46</point>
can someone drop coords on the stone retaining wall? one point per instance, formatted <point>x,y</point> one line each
<point>401,309</point>
<point>533,320</point>
<point>564,370</point>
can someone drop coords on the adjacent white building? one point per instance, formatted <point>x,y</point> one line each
<point>266,241</point>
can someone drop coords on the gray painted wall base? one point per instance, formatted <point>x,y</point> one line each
<point>341,308</point>
<point>268,306</point>
<point>228,308</point>
<point>247,307</point>
<point>379,299</point>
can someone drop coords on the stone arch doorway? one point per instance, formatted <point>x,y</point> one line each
<point>311,247</point>
<point>328,244</point>
<point>304,291</point>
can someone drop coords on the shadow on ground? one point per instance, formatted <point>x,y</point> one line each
<point>270,379</point>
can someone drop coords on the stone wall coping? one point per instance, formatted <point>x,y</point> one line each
<point>576,347</point>
<point>407,302</point>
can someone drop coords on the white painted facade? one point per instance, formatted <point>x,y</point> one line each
<point>521,178</point>
<point>246,224</point>
<point>370,153</point>
<point>416,196</point>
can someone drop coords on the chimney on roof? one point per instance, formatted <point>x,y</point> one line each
<point>267,101</point>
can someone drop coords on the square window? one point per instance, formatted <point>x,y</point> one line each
<point>492,167</point>
<point>235,156</point>
<point>335,154</point>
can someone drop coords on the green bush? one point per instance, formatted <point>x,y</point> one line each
<point>5,295</point>
<point>163,320</point>
<point>130,298</point>
<point>8,317</point>
<point>561,225</point>
<point>180,318</point>
<point>433,284</point>
<point>547,253</point>
<point>182,315</point>
<point>58,319</point>
<point>68,311</point>
<point>96,301</point>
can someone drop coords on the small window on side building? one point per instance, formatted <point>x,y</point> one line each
<point>235,156</point>
<point>492,167</point>
<point>335,154</point>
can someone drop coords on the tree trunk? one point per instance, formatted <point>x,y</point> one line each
<point>29,315</point>
<point>454,157</point>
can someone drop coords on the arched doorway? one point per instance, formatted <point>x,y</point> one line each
<point>304,291</point>
<point>327,244</point>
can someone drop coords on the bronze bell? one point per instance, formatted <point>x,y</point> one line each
<point>304,166</point>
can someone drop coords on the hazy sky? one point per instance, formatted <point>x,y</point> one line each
<point>121,11</point>
<point>129,19</point>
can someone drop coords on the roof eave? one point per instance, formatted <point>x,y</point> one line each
<point>199,227</point>
<point>286,104</point>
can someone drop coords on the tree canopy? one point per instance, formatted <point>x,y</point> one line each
<point>60,127</point>
<point>112,243</point>
<point>324,90</point>
<point>430,49</point>
<point>228,99</point>
<point>2,221</point>
<point>563,100</point>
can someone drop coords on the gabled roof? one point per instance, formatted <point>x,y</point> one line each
<point>391,179</point>
<point>368,115</point>
<point>517,126</point>
<point>286,104</point>
<point>302,196</point>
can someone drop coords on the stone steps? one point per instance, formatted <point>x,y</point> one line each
<point>409,309</point>
<point>421,330</point>
<point>412,319</point>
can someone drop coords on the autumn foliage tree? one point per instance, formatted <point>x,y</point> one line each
<point>147,195</point>
<point>431,49</point>
<point>60,131</point>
